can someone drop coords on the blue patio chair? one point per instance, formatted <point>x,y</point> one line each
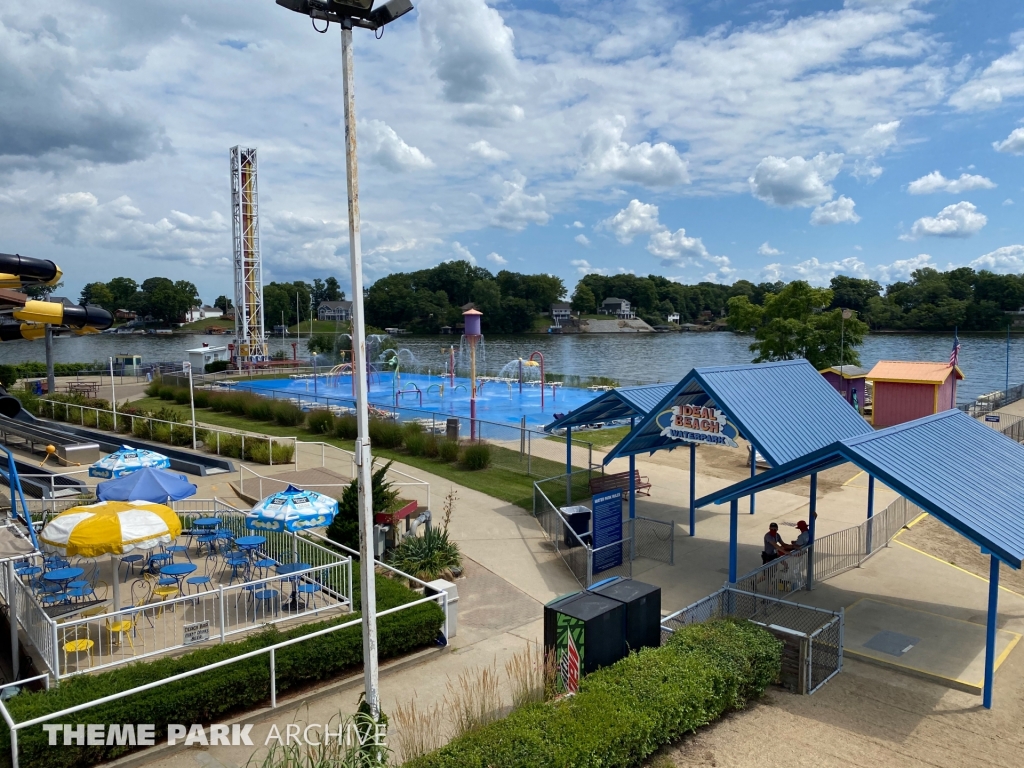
<point>309,590</point>
<point>129,561</point>
<point>209,540</point>
<point>237,561</point>
<point>202,583</point>
<point>264,596</point>
<point>263,567</point>
<point>178,549</point>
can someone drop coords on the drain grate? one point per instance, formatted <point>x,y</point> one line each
<point>892,643</point>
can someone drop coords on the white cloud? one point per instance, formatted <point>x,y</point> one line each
<point>901,269</point>
<point>385,147</point>
<point>936,182</point>
<point>1002,79</point>
<point>578,224</point>
<point>582,240</point>
<point>766,250</point>
<point>820,273</point>
<point>605,152</point>
<point>958,220</point>
<point>1008,201</point>
<point>1006,260</point>
<point>517,210</point>
<point>839,211</point>
<point>1012,144</point>
<point>676,247</point>
<point>635,219</point>
<point>875,142</point>
<point>584,267</point>
<point>494,258</point>
<point>462,253</point>
<point>796,181</point>
<point>487,152</point>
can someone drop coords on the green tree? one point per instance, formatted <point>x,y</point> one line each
<point>123,290</point>
<point>853,293</point>
<point>794,323</point>
<point>98,294</point>
<point>223,303</point>
<point>583,300</point>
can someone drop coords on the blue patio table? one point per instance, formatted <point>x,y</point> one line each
<point>207,522</point>
<point>62,576</point>
<point>178,570</point>
<point>250,542</point>
<point>293,604</point>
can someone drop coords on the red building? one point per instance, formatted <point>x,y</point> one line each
<point>908,391</point>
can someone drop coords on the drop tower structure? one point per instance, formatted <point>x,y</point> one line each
<point>250,340</point>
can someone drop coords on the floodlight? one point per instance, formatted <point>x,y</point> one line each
<point>336,10</point>
<point>390,11</point>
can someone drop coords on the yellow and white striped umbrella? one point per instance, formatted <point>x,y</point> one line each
<point>110,527</point>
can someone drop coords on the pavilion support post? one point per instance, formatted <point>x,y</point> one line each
<point>693,489</point>
<point>813,513</point>
<point>753,471</point>
<point>632,476</point>
<point>871,509</point>
<point>990,633</point>
<point>568,463</point>
<point>734,513</point>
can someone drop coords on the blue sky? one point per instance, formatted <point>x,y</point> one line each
<point>697,140</point>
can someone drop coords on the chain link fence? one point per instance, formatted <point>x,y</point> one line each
<point>812,637</point>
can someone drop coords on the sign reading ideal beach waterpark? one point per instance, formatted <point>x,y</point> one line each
<point>698,424</point>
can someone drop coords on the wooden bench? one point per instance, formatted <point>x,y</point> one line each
<point>620,480</point>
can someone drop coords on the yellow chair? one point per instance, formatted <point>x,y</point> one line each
<point>119,628</point>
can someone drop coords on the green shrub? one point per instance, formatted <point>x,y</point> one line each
<point>477,456</point>
<point>622,714</point>
<point>448,451</point>
<point>411,428</point>
<point>167,393</point>
<point>161,432</point>
<point>344,529</point>
<point>320,422</point>
<point>217,366</point>
<point>385,433</point>
<point>258,409</point>
<point>213,695</point>
<point>202,398</point>
<point>416,444</point>
<point>431,447</point>
<point>153,388</point>
<point>427,557</point>
<point>288,414</point>
<point>181,434</point>
<point>345,427</point>
<point>141,428</point>
<point>283,452</point>
<point>8,375</point>
<point>182,396</point>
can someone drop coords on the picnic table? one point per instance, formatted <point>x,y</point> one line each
<point>83,388</point>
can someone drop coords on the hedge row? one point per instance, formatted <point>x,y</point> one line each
<point>11,372</point>
<point>215,695</point>
<point>624,713</point>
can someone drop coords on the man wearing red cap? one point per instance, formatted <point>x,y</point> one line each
<point>805,535</point>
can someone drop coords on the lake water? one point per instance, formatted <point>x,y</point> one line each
<point>629,358</point>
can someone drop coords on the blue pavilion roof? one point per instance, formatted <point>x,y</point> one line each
<point>952,466</point>
<point>786,409</point>
<point>618,403</point>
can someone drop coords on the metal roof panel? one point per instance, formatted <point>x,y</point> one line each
<point>618,403</point>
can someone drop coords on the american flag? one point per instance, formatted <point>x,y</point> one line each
<point>954,356</point>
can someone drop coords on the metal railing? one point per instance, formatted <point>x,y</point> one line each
<point>817,631</point>
<point>179,433</point>
<point>992,401</point>
<point>833,554</point>
<point>642,537</point>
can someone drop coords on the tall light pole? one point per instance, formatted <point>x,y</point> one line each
<point>192,402</point>
<point>349,14</point>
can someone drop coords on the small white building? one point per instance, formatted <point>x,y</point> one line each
<point>204,355</point>
<point>203,312</point>
<point>560,312</point>
<point>673,317</point>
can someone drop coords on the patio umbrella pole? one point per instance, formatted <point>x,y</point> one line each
<point>116,586</point>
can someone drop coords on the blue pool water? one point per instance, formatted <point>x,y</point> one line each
<point>422,395</point>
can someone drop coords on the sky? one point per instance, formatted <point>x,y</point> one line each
<point>696,140</point>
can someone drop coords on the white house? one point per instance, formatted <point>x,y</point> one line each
<point>203,312</point>
<point>620,308</point>
<point>334,310</point>
<point>673,317</point>
<point>560,312</point>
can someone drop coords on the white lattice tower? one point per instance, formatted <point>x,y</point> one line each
<point>245,229</point>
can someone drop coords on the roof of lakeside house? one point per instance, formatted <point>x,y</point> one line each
<point>343,304</point>
<point>614,300</point>
<point>912,372</point>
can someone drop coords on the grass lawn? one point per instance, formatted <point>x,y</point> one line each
<point>599,438</point>
<point>504,479</point>
<point>329,327</point>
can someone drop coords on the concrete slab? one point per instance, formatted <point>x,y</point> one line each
<point>939,648</point>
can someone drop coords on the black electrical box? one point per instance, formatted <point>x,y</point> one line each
<point>586,630</point>
<point>643,610</point>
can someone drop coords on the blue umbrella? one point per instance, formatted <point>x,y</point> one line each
<point>126,460</point>
<point>292,509</point>
<point>148,484</point>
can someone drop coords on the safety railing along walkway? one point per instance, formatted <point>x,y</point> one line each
<point>832,554</point>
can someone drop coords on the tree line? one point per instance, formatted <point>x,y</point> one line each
<point>426,300</point>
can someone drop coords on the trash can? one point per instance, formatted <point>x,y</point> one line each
<point>577,519</point>
<point>584,631</point>
<point>451,431</point>
<point>643,610</point>
<point>438,586</point>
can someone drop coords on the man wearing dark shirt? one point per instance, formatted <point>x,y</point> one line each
<point>773,546</point>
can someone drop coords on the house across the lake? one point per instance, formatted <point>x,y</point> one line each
<point>334,310</point>
<point>620,308</point>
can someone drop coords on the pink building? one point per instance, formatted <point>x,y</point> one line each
<point>908,391</point>
<point>849,381</point>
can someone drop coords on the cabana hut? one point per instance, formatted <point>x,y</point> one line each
<point>906,391</point>
<point>850,381</point>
